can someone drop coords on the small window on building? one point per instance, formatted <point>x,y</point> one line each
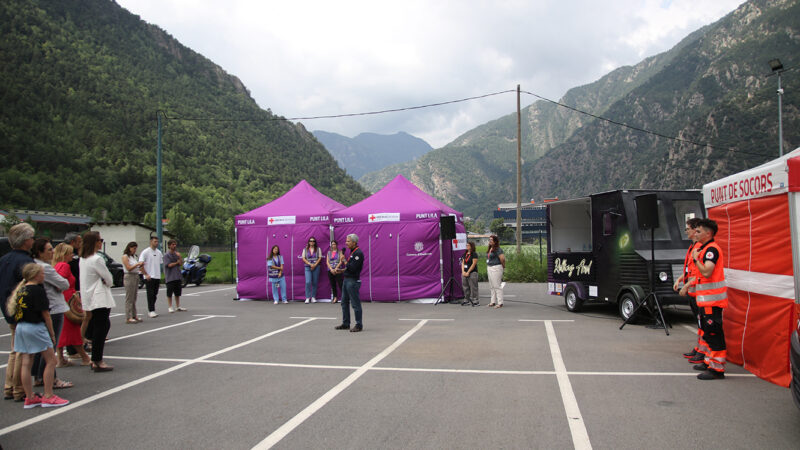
<point>113,243</point>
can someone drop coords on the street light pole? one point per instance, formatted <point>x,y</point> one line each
<point>519,175</point>
<point>780,116</point>
<point>777,69</point>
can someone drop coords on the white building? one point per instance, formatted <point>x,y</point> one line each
<point>116,236</point>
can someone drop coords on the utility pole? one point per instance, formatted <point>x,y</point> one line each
<point>159,226</point>
<point>519,175</point>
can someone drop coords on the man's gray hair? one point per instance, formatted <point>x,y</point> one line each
<point>353,237</point>
<point>70,237</point>
<point>20,233</point>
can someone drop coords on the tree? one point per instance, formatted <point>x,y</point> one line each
<point>478,226</point>
<point>183,226</point>
<point>9,221</point>
<point>504,233</point>
<point>497,227</point>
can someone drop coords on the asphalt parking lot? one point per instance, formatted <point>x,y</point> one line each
<point>240,375</point>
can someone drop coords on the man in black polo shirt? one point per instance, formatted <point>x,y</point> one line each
<point>20,237</point>
<point>351,285</point>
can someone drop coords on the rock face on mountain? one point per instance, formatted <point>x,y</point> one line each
<point>81,86</point>
<point>710,89</point>
<point>369,152</point>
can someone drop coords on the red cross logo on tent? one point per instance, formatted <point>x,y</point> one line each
<point>372,218</point>
<point>455,241</point>
<point>271,220</point>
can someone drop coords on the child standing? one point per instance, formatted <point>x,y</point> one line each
<point>28,305</point>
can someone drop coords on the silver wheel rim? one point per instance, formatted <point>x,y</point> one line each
<point>571,300</point>
<point>627,307</point>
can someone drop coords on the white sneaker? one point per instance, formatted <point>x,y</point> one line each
<point>181,308</point>
<point>284,301</point>
<point>152,314</point>
<point>276,302</point>
<point>313,300</point>
<point>307,300</point>
<point>171,309</point>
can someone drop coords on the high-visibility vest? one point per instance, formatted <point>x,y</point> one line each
<point>690,270</point>
<point>712,291</point>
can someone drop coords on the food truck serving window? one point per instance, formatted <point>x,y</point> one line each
<point>685,210</point>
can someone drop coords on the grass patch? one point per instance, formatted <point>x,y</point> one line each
<point>219,269</point>
<point>527,267</point>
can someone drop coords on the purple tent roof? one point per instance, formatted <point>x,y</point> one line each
<point>399,200</point>
<point>301,204</point>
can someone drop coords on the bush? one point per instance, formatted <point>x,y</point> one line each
<point>523,268</point>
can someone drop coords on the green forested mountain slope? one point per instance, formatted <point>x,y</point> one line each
<point>80,84</point>
<point>711,87</point>
<point>369,152</point>
<point>715,91</point>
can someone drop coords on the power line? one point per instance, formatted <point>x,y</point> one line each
<point>642,130</point>
<point>336,116</point>
<point>477,97</point>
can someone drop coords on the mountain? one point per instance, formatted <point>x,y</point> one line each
<point>81,83</point>
<point>710,88</point>
<point>369,152</point>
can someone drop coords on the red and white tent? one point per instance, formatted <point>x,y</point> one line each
<point>759,232</point>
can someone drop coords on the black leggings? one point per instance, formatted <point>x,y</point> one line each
<point>99,326</point>
<point>335,280</point>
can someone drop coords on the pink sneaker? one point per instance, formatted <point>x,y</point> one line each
<point>53,402</point>
<point>32,402</point>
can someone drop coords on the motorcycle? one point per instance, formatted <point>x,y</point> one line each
<point>194,268</point>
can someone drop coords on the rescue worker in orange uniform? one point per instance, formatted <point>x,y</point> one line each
<point>689,275</point>
<point>711,293</point>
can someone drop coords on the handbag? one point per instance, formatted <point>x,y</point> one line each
<point>75,313</point>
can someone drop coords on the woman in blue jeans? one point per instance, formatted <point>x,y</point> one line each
<point>311,258</point>
<point>275,273</point>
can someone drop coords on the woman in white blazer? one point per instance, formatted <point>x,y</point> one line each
<point>96,296</point>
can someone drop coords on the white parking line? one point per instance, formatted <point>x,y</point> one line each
<point>193,294</point>
<point>79,403</point>
<point>580,438</point>
<point>420,369</point>
<point>295,421</point>
<point>159,329</point>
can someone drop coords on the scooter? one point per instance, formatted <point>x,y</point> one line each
<point>194,268</point>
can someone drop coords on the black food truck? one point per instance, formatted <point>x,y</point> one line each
<point>598,252</point>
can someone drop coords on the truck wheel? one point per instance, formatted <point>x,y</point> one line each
<point>627,303</point>
<point>571,299</point>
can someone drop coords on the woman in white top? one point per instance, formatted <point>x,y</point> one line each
<point>131,281</point>
<point>96,296</point>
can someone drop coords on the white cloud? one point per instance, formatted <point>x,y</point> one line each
<point>311,58</point>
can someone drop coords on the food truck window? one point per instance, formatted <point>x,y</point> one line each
<point>608,224</point>
<point>662,232</point>
<point>685,210</point>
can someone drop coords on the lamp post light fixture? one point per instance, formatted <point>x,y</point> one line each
<point>777,68</point>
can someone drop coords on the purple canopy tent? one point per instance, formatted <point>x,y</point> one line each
<point>288,221</point>
<point>405,258</point>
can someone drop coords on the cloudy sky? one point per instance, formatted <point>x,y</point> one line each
<point>312,58</point>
